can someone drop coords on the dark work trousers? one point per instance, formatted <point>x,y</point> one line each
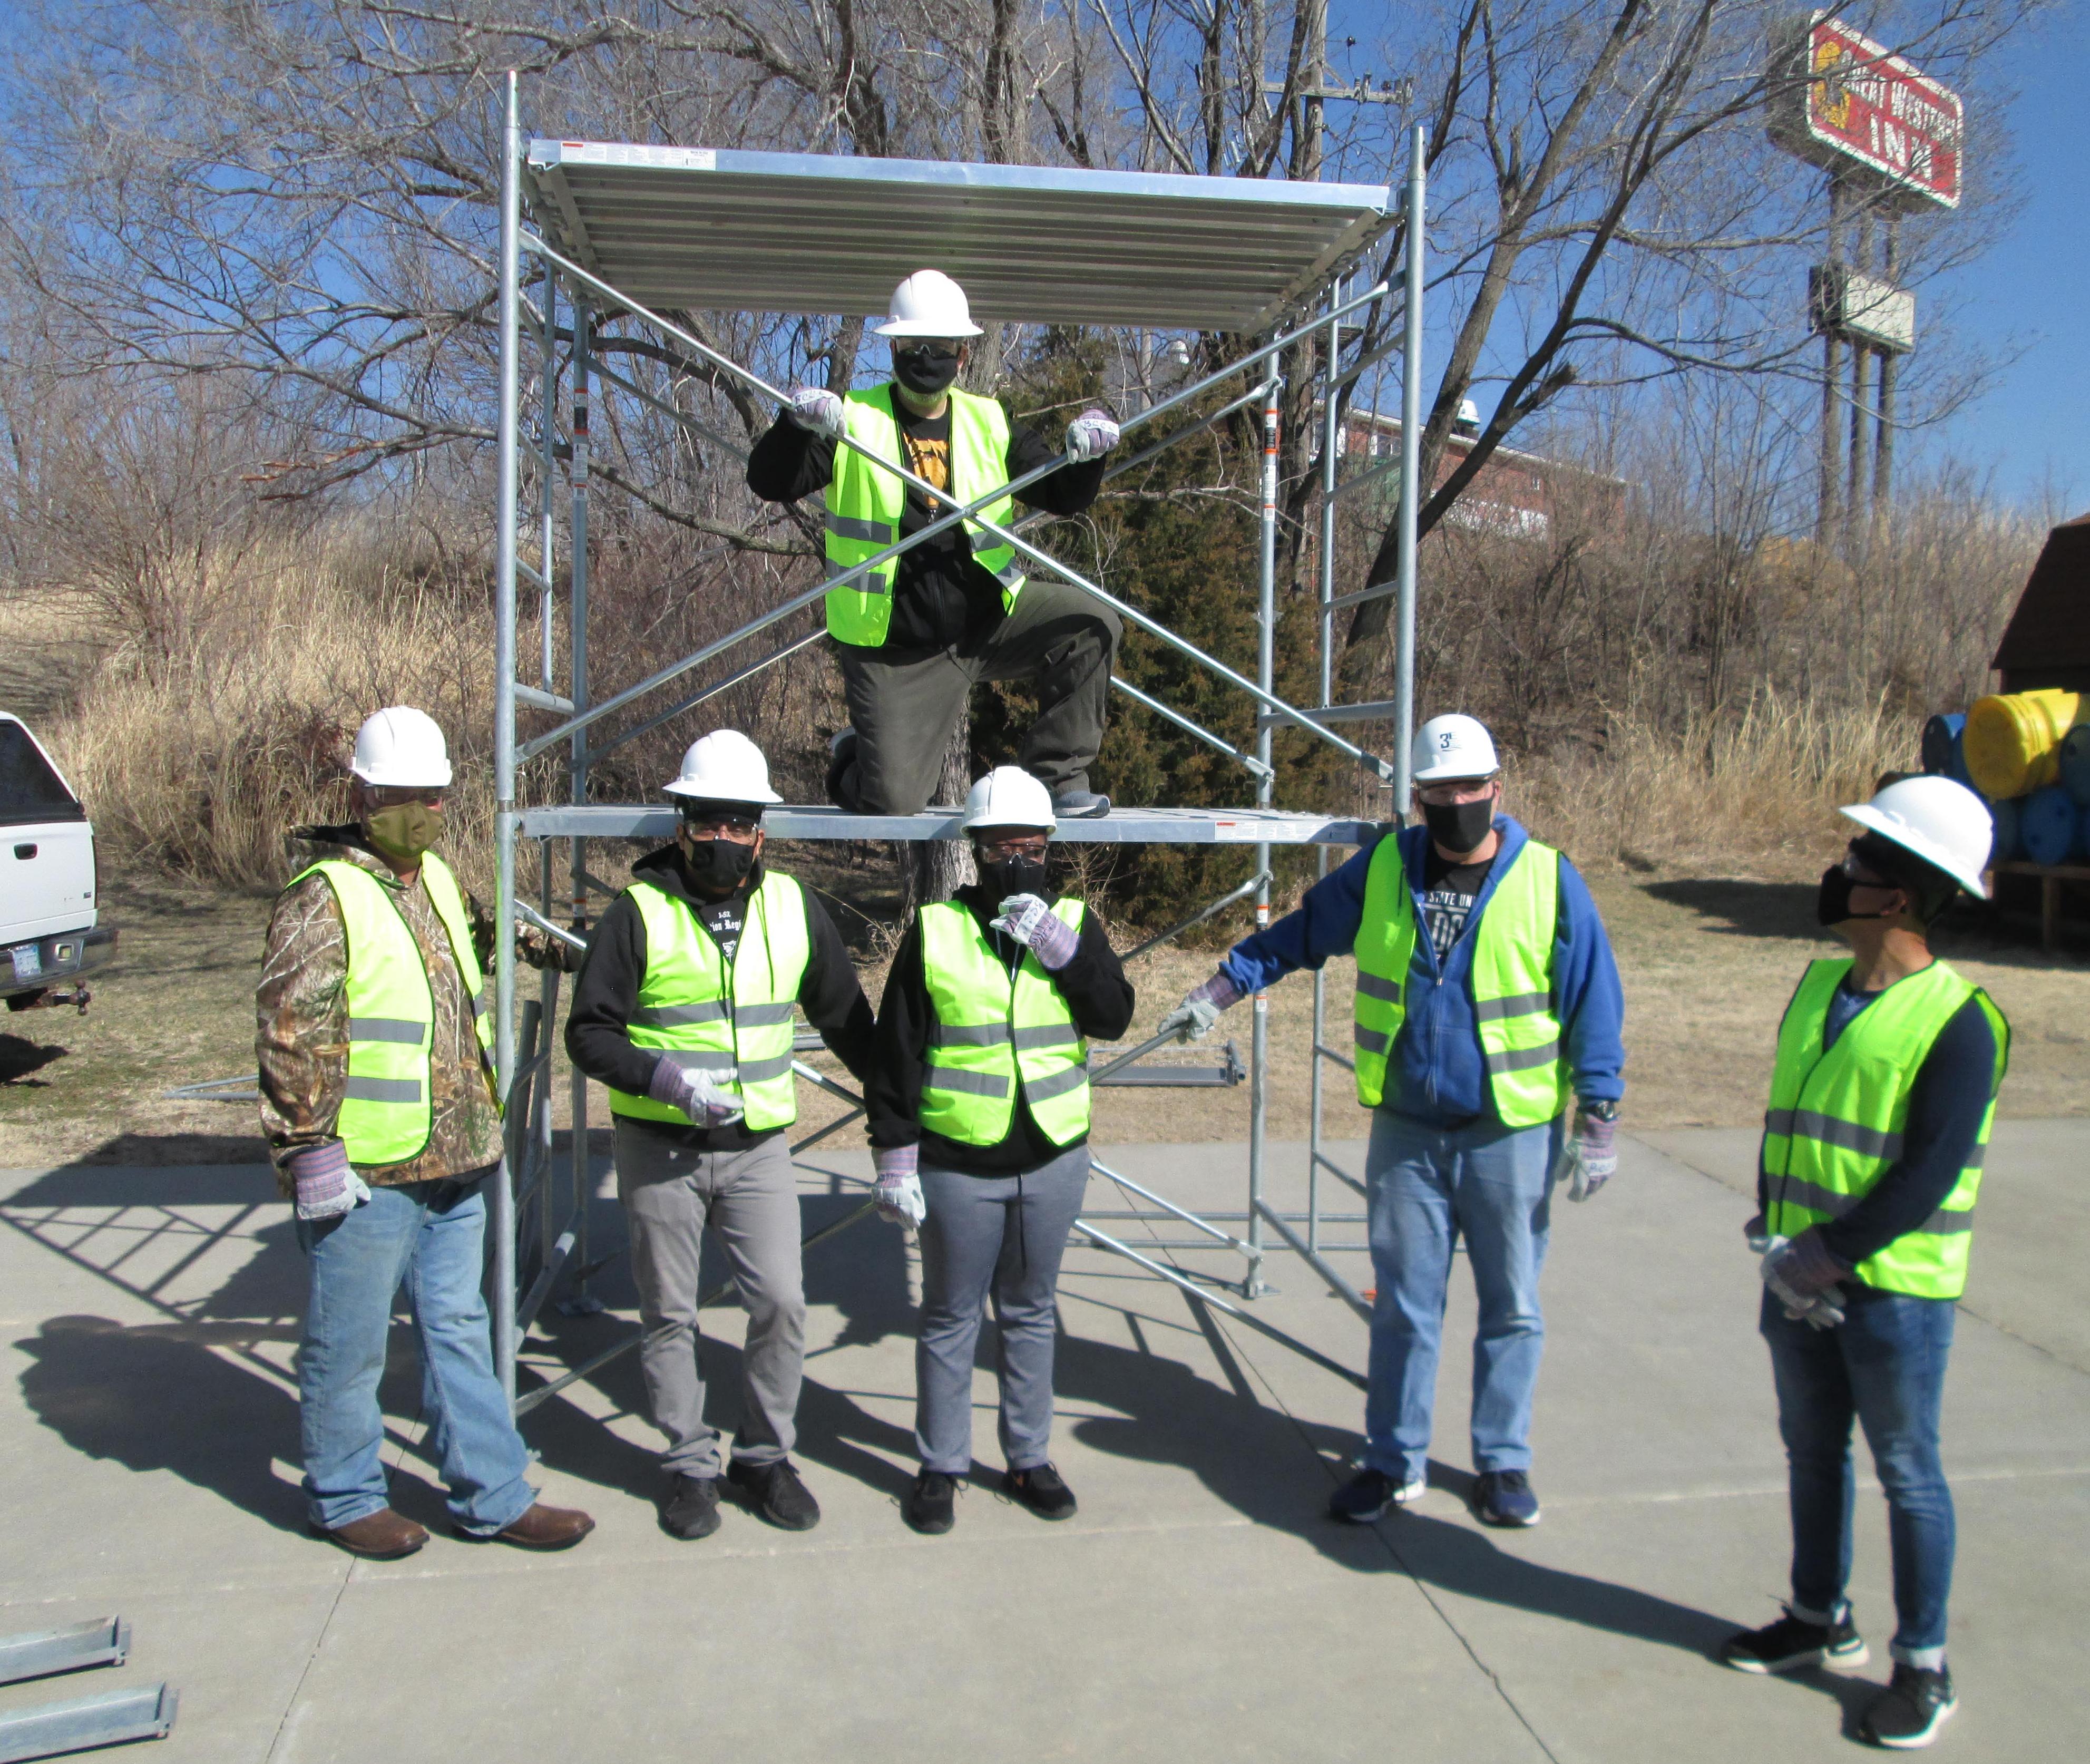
<point>1061,640</point>
<point>1003,1236</point>
<point>751,1199</point>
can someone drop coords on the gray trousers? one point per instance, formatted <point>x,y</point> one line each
<point>1058,637</point>
<point>751,1199</point>
<point>1003,1236</point>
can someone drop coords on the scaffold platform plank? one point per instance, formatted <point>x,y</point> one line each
<point>1120,826</point>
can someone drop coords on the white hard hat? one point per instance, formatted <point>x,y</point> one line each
<point>1454,747</point>
<point>1009,797</point>
<point>724,766</point>
<point>1942,822</point>
<point>401,745</point>
<point>928,304</point>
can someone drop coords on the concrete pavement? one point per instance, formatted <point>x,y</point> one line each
<point>1198,1606</point>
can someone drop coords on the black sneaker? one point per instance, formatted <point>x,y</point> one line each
<point>1906,1716</point>
<point>1504,1498</point>
<point>691,1509</point>
<point>931,1505</point>
<point>1080,806</point>
<point>776,1492</point>
<point>1368,1494</point>
<point>1793,1642</point>
<point>1041,1489</point>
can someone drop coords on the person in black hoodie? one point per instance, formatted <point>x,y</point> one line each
<point>684,1009</point>
<point>978,1107</point>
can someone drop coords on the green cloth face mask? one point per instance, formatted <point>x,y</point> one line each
<point>403,831</point>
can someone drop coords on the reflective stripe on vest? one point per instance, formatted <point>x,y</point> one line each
<point>689,1009</point>
<point>1510,982</point>
<point>386,1115</point>
<point>1835,1120</point>
<point>865,505</point>
<point>991,1032</point>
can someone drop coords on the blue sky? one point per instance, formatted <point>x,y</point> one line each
<point>2033,426</point>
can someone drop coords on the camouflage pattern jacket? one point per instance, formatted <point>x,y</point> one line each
<point>301,1018</point>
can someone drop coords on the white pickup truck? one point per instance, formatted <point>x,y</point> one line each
<point>48,932</point>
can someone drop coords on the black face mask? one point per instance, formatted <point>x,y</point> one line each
<point>926,370</point>
<point>1459,826</point>
<point>1832,902</point>
<point>1014,876</point>
<point>716,867</point>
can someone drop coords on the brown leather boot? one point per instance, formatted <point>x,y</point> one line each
<point>545,1527</point>
<point>383,1536</point>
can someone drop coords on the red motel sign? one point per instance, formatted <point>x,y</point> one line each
<point>1847,99</point>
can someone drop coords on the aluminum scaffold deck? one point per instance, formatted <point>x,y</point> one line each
<point>635,231</point>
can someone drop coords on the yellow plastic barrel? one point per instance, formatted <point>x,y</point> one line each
<point>2012,741</point>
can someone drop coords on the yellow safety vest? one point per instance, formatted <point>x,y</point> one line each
<point>1510,982</point>
<point>1836,1120</point>
<point>995,1030</point>
<point>387,1113</point>
<point>692,1009</point>
<point>865,503</point>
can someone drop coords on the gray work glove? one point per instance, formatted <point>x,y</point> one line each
<point>1026,919</point>
<point>899,1189</point>
<point>701,1096</point>
<point>1801,1276</point>
<point>326,1186</point>
<point>1588,1156</point>
<point>1090,436</point>
<point>817,408</point>
<point>1756,1234</point>
<point>1193,1019</point>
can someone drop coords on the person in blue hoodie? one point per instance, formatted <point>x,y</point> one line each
<point>1488,1013</point>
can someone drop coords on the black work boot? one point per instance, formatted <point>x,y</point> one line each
<point>931,1505</point>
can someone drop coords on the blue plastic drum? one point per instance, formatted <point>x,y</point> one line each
<point>2007,846</point>
<point>2075,764</point>
<point>1942,756</point>
<point>2047,823</point>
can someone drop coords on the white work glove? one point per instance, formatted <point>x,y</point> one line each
<point>899,1189</point>
<point>817,408</point>
<point>326,1186</point>
<point>1193,1019</point>
<point>703,1097</point>
<point>1588,1156</point>
<point>1757,1235</point>
<point>1090,436</point>
<point>1801,1276</point>
<point>1026,919</point>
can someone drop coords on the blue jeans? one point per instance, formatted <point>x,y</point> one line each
<point>430,1236</point>
<point>1883,1367</point>
<point>1428,1187</point>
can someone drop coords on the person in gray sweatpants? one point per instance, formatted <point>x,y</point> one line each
<point>684,1009</point>
<point>978,1107</point>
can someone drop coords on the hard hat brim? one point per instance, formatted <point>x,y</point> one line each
<point>698,793</point>
<point>378,779</point>
<point>1461,773</point>
<point>1898,833</point>
<point>925,327</point>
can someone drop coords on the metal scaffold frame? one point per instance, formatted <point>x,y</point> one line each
<point>620,207</point>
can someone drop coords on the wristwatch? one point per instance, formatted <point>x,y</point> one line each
<point>1604,1111</point>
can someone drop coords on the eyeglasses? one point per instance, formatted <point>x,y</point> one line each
<point>1459,790</point>
<point>738,824</point>
<point>1862,875</point>
<point>1033,846</point>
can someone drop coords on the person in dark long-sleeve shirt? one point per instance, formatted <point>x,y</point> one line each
<point>685,1009</point>
<point>979,1117</point>
<point>1888,1067</point>
<point>915,634</point>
